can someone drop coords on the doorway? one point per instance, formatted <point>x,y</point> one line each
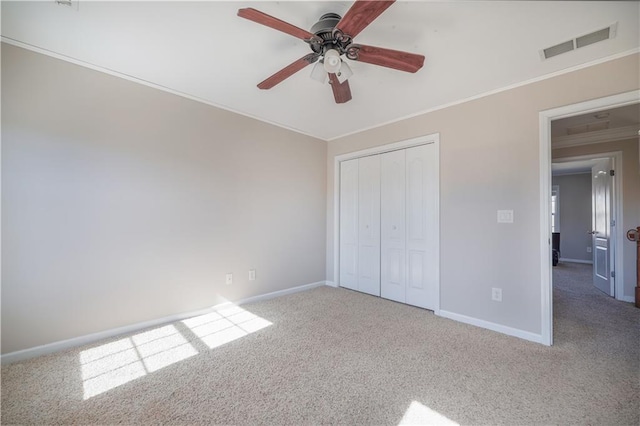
<point>546,118</point>
<point>586,213</point>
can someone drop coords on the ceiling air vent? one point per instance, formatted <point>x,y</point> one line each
<point>558,49</point>
<point>594,37</point>
<point>578,42</point>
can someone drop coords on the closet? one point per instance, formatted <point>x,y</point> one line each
<point>389,225</point>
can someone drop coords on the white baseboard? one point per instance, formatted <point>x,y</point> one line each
<point>94,337</point>
<point>629,299</point>
<point>563,259</point>
<point>275,294</point>
<point>526,335</point>
<point>331,284</point>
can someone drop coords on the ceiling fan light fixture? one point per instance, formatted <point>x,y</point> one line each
<point>332,61</point>
<point>318,73</point>
<point>344,73</point>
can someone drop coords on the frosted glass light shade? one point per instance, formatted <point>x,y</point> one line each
<point>332,61</point>
<point>344,73</point>
<point>318,73</point>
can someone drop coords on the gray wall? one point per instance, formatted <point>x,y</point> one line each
<point>575,215</point>
<point>489,161</point>
<point>122,203</point>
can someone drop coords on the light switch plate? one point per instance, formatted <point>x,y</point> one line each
<point>505,216</point>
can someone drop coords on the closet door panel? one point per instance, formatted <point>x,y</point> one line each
<point>369,225</point>
<point>416,269</point>
<point>349,224</point>
<point>421,226</point>
<point>392,226</point>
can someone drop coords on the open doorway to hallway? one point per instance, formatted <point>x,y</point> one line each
<point>585,207</point>
<point>600,128</point>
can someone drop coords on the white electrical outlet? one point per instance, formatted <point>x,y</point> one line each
<point>505,216</point>
<point>252,274</point>
<point>496,294</point>
<point>588,249</point>
<point>229,279</point>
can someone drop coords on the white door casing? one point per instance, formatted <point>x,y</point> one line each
<point>601,222</point>
<point>545,119</point>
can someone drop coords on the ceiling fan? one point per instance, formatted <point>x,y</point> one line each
<point>332,37</point>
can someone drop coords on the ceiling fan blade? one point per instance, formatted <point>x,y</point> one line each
<point>288,71</point>
<point>341,92</point>
<point>396,59</point>
<point>275,23</point>
<point>361,14</point>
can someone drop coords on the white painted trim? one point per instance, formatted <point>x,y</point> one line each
<point>526,335</point>
<point>600,136</point>
<point>331,284</point>
<point>495,91</point>
<point>546,292</point>
<point>279,293</point>
<point>586,262</point>
<point>395,146</point>
<point>94,337</point>
<point>436,309</point>
<point>618,100</point>
<point>630,299</point>
<point>408,143</point>
<point>148,84</point>
<point>618,210</point>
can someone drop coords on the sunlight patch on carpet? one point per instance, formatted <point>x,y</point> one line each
<point>225,325</point>
<point>114,364</point>
<point>419,414</point>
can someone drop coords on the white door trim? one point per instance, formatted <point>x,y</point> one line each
<point>618,231</point>
<point>545,118</point>
<point>409,143</point>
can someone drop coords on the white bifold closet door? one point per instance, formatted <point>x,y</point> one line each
<point>360,224</point>
<point>369,225</point>
<point>408,226</point>
<point>393,226</point>
<point>349,224</point>
<point>388,223</point>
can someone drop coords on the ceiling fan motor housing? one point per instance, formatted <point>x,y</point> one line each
<point>324,27</point>
<point>331,38</point>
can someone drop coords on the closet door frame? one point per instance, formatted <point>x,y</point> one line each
<point>409,143</point>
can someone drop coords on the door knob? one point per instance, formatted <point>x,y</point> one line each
<point>592,232</point>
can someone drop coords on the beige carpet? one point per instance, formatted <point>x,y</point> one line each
<point>337,356</point>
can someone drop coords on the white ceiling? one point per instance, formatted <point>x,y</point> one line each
<point>573,167</point>
<point>204,51</point>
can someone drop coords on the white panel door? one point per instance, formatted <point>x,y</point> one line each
<point>349,224</point>
<point>422,227</point>
<point>601,234</point>
<point>392,226</point>
<point>369,225</point>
